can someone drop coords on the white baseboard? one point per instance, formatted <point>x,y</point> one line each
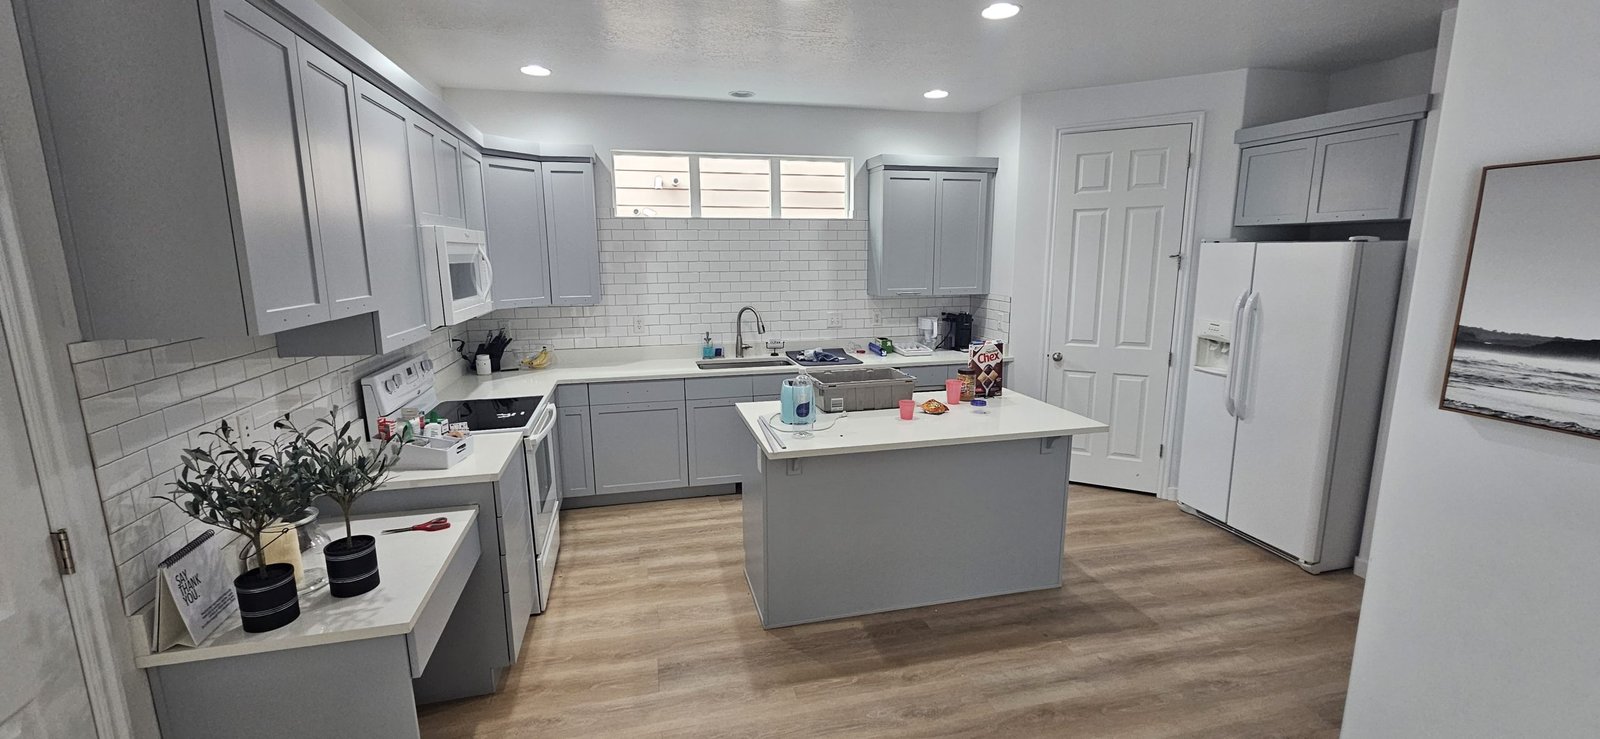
<point>1360,567</point>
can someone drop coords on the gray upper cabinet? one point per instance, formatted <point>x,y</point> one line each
<point>1348,165</point>
<point>961,244</point>
<point>396,253</point>
<point>472,188</point>
<point>928,225</point>
<point>447,167</point>
<point>1274,183</point>
<point>1361,175</point>
<point>572,232</point>
<point>639,446</point>
<point>269,164</point>
<point>904,228</point>
<point>329,92</point>
<point>514,196</point>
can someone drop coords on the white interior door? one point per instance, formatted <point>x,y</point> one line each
<point>1298,318</point>
<point>42,692</point>
<point>1113,286</point>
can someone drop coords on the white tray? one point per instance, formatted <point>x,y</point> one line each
<point>433,453</point>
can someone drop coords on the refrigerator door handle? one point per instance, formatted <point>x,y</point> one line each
<point>1233,354</point>
<point>1246,338</point>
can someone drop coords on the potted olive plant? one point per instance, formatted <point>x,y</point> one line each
<point>343,468</point>
<point>246,489</point>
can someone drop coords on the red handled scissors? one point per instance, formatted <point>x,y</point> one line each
<point>437,524</point>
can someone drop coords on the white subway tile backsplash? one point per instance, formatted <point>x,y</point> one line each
<point>184,416</point>
<point>172,358</point>
<point>110,409</point>
<point>91,378</point>
<point>158,394</point>
<point>84,351</point>
<point>104,445</point>
<point>123,370</point>
<point>197,382</point>
<point>141,432</point>
<point>122,474</point>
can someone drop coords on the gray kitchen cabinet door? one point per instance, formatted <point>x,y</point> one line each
<point>961,241</point>
<point>906,228</point>
<point>1361,175</point>
<point>472,188</point>
<point>1274,183</point>
<point>330,113</point>
<point>514,198</point>
<point>930,377</point>
<point>447,166</point>
<point>639,446</point>
<point>389,214</point>
<point>572,230</point>
<point>721,449</point>
<point>576,448</point>
<point>269,165</point>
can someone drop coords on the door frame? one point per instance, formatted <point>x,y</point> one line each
<point>1182,310</point>
<point>36,308</point>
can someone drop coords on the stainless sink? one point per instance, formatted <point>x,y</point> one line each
<point>743,363</point>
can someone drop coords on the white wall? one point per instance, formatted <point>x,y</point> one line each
<point>1480,607</point>
<point>1000,136</point>
<point>379,40</point>
<point>617,122</point>
<point>1391,79</point>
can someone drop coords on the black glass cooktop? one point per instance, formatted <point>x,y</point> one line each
<point>501,414</point>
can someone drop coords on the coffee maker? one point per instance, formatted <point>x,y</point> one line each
<point>958,331</point>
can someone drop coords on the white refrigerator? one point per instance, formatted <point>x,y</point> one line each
<point>1290,347</point>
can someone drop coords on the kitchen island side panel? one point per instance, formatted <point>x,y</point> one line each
<point>851,534</point>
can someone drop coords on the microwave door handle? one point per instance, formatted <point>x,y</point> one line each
<point>485,270</point>
<point>1236,346</point>
<point>542,427</point>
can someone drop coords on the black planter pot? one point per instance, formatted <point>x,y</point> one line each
<point>267,597</point>
<point>352,566</point>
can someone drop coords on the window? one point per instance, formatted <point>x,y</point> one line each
<point>683,185</point>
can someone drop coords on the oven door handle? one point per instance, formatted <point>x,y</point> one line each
<point>542,426</point>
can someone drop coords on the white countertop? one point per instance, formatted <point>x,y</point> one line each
<point>490,452</point>
<point>581,366</point>
<point>409,565</point>
<point>1012,416</point>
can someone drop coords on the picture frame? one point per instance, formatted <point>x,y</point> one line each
<point>1525,347</point>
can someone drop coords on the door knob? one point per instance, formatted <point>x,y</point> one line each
<point>1056,356</point>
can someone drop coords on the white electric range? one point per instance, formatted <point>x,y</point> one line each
<point>410,384</point>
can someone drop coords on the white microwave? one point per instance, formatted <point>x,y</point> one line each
<point>464,273</point>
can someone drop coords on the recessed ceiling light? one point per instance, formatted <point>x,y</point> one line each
<point>536,70</point>
<point>936,94</point>
<point>742,94</point>
<point>1001,11</point>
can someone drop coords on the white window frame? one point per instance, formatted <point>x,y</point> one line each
<point>776,190</point>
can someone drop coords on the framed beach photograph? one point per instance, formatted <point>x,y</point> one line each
<point>1527,340</point>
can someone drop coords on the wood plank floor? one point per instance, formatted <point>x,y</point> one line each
<point>1166,626</point>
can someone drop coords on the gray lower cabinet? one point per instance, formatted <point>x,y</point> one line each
<point>931,377</point>
<point>576,447</point>
<point>928,226</point>
<point>721,450</point>
<point>1274,183</point>
<point>639,446</point>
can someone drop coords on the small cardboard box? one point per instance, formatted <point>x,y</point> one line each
<point>986,359</point>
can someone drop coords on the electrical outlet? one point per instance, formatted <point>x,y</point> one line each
<point>835,320</point>
<point>638,324</point>
<point>244,425</point>
<point>877,318</point>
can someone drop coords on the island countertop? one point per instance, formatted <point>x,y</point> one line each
<point>1010,417</point>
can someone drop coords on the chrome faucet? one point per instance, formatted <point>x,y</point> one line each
<point>738,330</point>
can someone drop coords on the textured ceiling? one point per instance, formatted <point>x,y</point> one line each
<point>881,53</point>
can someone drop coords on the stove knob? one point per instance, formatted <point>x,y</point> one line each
<point>395,379</point>
<point>427,365</point>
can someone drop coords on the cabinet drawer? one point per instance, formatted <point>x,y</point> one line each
<point>572,396</point>
<point>705,388</point>
<point>648,391</point>
<point>768,387</point>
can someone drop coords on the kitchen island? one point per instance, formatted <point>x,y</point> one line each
<point>875,514</point>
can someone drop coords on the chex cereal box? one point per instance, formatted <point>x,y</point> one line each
<point>986,359</point>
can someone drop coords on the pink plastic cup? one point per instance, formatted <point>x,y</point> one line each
<point>907,407</point>
<point>952,392</point>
